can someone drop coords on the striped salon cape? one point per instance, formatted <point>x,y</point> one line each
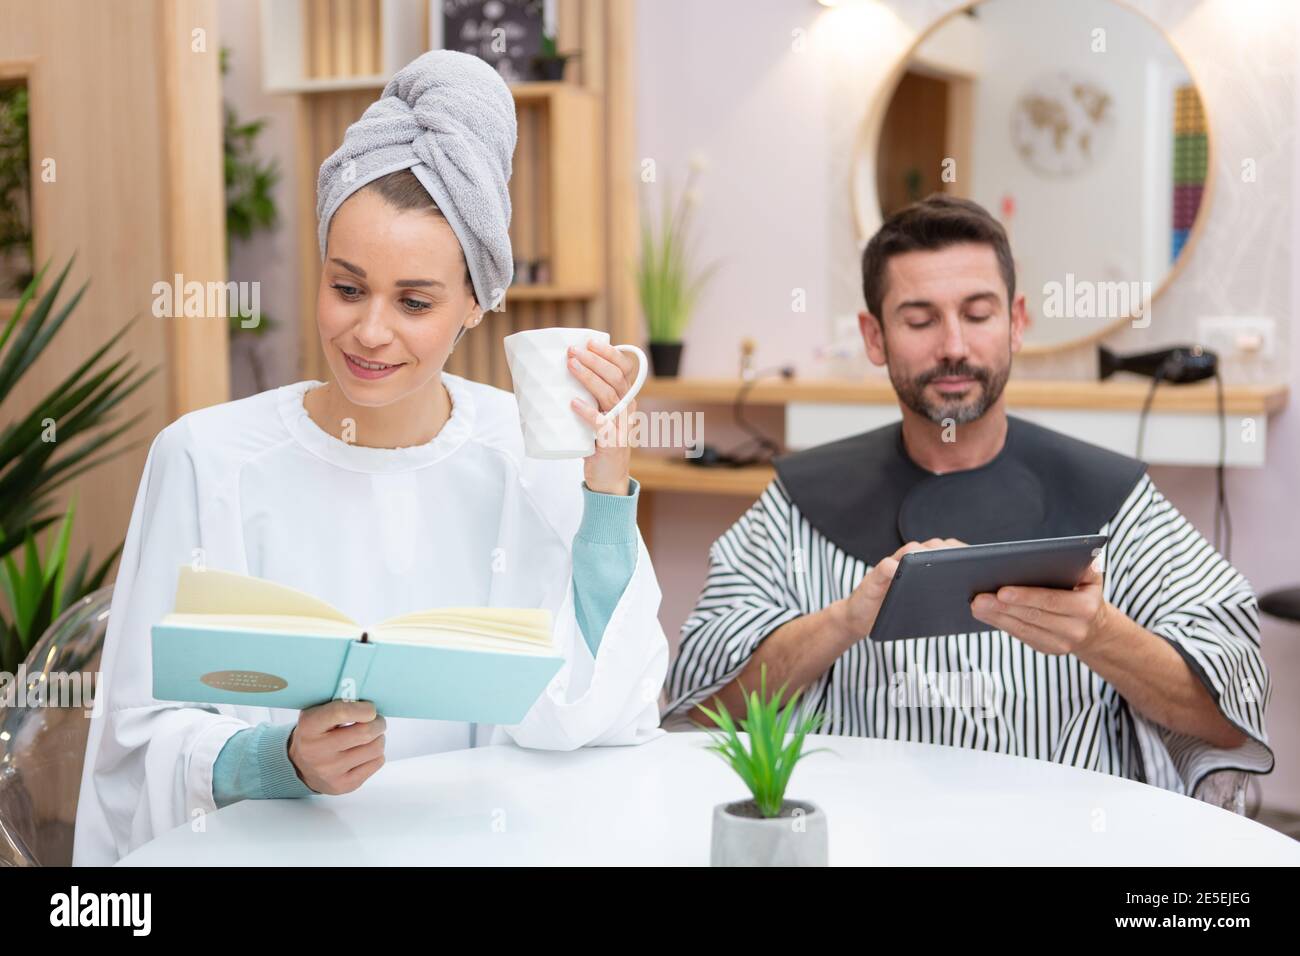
<point>990,691</point>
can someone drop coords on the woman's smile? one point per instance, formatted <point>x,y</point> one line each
<point>365,369</point>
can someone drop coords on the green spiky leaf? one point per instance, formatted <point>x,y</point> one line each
<point>776,741</point>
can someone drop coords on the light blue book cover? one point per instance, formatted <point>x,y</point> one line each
<point>297,663</point>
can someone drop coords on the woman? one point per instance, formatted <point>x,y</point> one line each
<point>393,487</point>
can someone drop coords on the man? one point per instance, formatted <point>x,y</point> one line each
<point>1150,668</point>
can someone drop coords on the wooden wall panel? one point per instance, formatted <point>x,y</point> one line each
<point>323,119</point>
<point>194,197</point>
<point>526,187</point>
<point>112,108</point>
<point>341,37</point>
<point>621,209</point>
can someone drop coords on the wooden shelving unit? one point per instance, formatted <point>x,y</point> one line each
<point>1024,393</point>
<point>661,473</point>
<point>550,293</point>
<point>1119,399</point>
<point>556,207</point>
<point>324,46</point>
<point>1077,404</point>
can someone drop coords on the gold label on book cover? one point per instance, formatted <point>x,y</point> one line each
<point>250,682</point>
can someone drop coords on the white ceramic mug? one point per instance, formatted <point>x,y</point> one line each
<point>544,387</point>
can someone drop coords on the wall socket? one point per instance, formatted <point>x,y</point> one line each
<point>1240,337</point>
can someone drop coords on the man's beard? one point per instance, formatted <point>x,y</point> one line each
<point>956,410</point>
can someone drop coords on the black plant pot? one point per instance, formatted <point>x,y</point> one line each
<point>549,70</point>
<point>665,357</point>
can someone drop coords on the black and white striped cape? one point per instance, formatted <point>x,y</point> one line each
<point>990,691</point>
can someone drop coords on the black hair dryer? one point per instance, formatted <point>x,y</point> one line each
<point>1179,365</point>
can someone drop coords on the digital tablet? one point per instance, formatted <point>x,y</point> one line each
<point>931,592</point>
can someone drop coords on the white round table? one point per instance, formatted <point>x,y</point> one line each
<point>887,803</point>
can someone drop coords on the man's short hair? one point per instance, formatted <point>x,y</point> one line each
<point>934,223</point>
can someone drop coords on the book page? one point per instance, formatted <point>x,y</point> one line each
<point>509,630</point>
<point>492,618</point>
<point>272,623</point>
<point>222,592</point>
<point>457,640</point>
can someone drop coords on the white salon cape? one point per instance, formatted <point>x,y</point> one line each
<point>256,487</point>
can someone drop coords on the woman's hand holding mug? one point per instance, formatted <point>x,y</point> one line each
<point>575,393</point>
<point>608,374</point>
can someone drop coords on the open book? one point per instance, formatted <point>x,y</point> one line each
<point>234,639</point>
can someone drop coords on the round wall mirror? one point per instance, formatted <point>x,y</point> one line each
<point>1074,122</point>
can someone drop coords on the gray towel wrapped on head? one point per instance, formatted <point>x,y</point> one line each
<point>450,119</point>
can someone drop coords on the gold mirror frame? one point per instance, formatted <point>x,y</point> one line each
<point>863,194</point>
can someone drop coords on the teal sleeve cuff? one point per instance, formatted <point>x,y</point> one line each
<point>279,777</point>
<point>604,557</point>
<point>609,519</point>
<point>254,764</point>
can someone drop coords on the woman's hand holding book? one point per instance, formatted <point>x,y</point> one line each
<point>337,746</point>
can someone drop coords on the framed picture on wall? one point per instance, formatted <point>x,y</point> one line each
<point>17,244</point>
<point>505,33</point>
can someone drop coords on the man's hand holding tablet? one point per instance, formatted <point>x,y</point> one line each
<point>860,608</point>
<point>1045,592</point>
<point>1050,620</point>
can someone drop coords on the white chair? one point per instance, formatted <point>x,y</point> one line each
<point>42,747</point>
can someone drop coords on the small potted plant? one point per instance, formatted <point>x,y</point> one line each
<point>549,64</point>
<point>666,284</point>
<point>767,829</point>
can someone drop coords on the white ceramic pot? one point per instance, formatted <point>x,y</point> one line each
<point>743,837</point>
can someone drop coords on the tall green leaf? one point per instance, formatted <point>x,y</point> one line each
<point>667,286</point>
<point>84,409</point>
<point>83,406</point>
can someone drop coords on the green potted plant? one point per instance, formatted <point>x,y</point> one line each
<point>667,286</point>
<point>66,432</point>
<point>767,829</point>
<point>549,64</point>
